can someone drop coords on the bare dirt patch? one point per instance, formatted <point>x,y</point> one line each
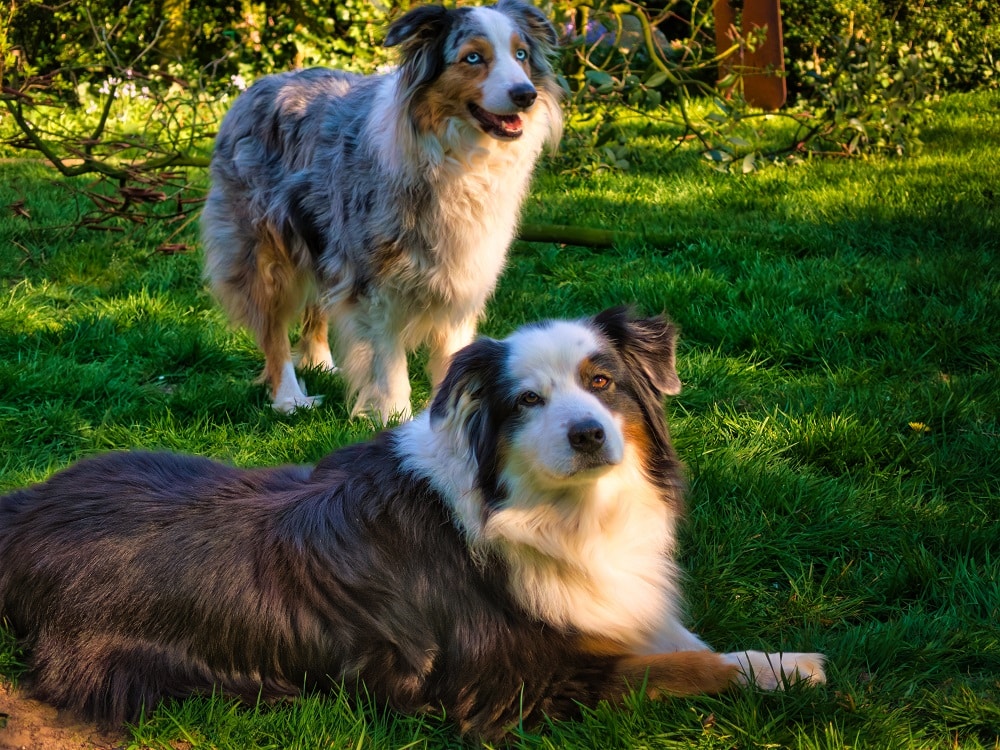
<point>27,724</point>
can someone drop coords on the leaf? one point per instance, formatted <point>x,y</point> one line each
<point>599,78</point>
<point>749,163</point>
<point>718,156</point>
<point>143,195</point>
<point>657,79</point>
<point>729,80</point>
<point>604,136</point>
<point>738,142</point>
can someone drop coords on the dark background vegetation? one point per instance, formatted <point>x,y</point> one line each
<point>860,74</point>
<point>243,37</point>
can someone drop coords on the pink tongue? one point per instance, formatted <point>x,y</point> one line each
<point>510,123</point>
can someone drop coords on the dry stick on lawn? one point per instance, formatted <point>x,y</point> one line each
<point>563,234</point>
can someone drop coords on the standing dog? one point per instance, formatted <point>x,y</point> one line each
<point>506,556</point>
<point>385,203</point>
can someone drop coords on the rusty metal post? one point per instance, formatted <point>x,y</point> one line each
<point>763,69</point>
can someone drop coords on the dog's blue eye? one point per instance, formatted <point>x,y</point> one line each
<point>529,398</point>
<point>473,58</point>
<point>521,54</point>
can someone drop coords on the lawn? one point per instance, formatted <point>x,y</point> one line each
<point>840,422</point>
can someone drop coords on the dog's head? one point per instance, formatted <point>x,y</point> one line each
<point>560,404</point>
<point>486,66</point>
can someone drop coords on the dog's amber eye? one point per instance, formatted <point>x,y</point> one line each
<point>600,382</point>
<point>529,398</point>
<point>473,58</point>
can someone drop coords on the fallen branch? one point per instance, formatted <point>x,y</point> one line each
<point>563,234</point>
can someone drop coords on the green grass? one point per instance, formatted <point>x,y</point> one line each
<point>840,422</point>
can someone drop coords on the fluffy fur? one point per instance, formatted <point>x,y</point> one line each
<point>383,204</point>
<point>508,555</point>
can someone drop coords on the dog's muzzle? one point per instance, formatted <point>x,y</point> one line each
<point>523,95</point>
<point>507,127</point>
<point>589,443</point>
<point>586,437</point>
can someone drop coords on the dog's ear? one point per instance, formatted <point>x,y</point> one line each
<point>647,344</point>
<point>461,392</point>
<point>537,30</point>
<point>532,22</point>
<point>469,401</point>
<point>420,35</point>
<point>418,26</point>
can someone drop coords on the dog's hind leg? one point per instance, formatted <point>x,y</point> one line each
<point>260,283</point>
<point>314,343</point>
<point>288,393</point>
<point>275,294</point>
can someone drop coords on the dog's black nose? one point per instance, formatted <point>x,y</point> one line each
<point>523,95</point>
<point>586,436</point>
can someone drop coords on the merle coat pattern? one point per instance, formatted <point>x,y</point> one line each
<point>382,204</point>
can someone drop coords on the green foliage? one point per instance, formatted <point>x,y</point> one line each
<point>966,31</point>
<point>11,665</point>
<point>861,85</point>
<point>615,55</point>
<point>188,40</point>
<point>873,97</point>
<point>132,92</point>
<point>862,74</point>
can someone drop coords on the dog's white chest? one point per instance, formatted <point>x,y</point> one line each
<point>604,570</point>
<point>478,208</point>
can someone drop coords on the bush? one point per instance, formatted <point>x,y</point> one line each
<point>963,37</point>
<point>218,39</point>
<point>861,73</point>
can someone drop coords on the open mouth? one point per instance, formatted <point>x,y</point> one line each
<point>507,127</point>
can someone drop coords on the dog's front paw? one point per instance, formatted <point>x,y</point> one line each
<point>288,405</point>
<point>291,394</point>
<point>774,671</point>
<point>382,413</point>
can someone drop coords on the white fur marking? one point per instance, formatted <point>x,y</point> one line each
<point>290,394</point>
<point>591,552</point>
<point>773,671</point>
<point>593,556</point>
<point>506,72</point>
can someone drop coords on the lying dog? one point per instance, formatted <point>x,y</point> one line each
<point>507,555</point>
<point>384,204</point>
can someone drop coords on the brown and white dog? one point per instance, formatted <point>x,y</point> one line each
<point>383,204</point>
<point>506,556</point>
